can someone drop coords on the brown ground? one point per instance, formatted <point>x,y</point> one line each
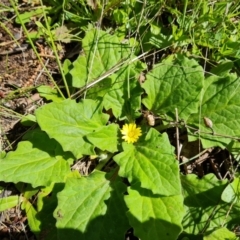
<point>20,74</point>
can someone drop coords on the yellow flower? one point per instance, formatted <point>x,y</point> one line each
<point>131,132</point>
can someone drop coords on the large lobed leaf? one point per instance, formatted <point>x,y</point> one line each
<point>92,208</point>
<point>102,53</point>
<point>203,205</point>
<point>151,161</point>
<point>220,234</point>
<point>153,216</point>
<point>70,123</point>
<point>39,161</point>
<point>174,84</point>
<point>221,104</point>
<point>124,96</point>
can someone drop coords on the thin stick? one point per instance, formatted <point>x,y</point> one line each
<point>177,135</point>
<point>215,134</point>
<point>193,158</point>
<point>107,74</point>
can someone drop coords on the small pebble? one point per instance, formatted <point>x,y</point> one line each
<point>17,34</point>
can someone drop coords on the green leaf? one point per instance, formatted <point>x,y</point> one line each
<point>102,52</point>
<point>221,234</point>
<point>223,68</point>
<point>69,123</point>
<point>121,87</point>
<point>9,202</point>
<point>232,192</point>
<point>102,55</point>
<point>221,104</point>
<point>46,204</point>
<point>203,206</point>
<point>28,191</point>
<point>49,93</point>
<point>174,84</point>
<point>124,96</point>
<point>151,161</point>
<point>234,148</point>
<point>153,216</point>
<point>120,16</point>
<point>39,161</point>
<point>26,16</point>
<point>92,206</point>
<point>161,40</point>
<point>105,138</point>
<point>155,29</point>
<point>2,155</point>
<point>33,222</point>
<point>28,120</point>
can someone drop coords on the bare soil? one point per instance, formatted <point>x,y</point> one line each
<point>20,74</point>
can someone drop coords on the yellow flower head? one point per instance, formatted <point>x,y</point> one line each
<point>131,132</point>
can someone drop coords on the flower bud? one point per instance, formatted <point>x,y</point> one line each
<point>208,122</point>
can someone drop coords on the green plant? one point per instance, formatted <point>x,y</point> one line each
<point>153,200</point>
<point>138,184</point>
